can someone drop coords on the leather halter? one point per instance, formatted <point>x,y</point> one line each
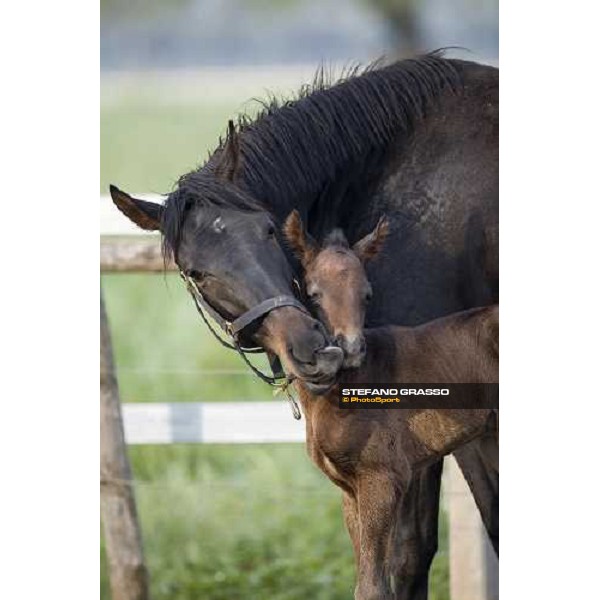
<point>261,309</point>
<point>236,327</point>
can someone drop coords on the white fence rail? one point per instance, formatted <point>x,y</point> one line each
<point>211,423</point>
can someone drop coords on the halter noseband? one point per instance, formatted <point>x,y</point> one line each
<point>236,327</point>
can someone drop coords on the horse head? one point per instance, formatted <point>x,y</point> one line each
<point>230,248</point>
<point>336,281</point>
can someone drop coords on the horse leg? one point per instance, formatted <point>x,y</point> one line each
<point>350,511</point>
<point>415,538</point>
<point>478,461</point>
<point>377,500</point>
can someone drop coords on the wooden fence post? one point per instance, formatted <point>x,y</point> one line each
<point>473,562</point>
<point>128,575</point>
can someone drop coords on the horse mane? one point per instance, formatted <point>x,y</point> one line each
<point>294,147</point>
<point>292,144</point>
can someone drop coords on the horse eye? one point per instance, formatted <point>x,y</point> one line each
<point>271,231</point>
<point>314,296</point>
<point>369,296</point>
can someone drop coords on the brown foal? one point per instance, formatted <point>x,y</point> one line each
<point>374,454</point>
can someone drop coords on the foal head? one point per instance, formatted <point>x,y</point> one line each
<point>336,282</point>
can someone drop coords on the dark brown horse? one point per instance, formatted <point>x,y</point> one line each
<point>374,454</point>
<point>416,140</point>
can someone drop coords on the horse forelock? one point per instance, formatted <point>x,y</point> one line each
<point>335,238</point>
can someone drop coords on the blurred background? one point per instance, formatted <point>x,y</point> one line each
<point>229,522</point>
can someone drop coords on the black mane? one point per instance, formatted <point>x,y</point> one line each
<point>293,145</point>
<point>291,151</point>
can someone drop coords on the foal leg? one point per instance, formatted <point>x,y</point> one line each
<point>377,502</point>
<point>350,511</point>
<point>478,461</point>
<point>415,537</point>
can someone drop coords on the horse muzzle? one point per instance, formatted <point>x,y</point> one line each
<point>320,376</point>
<point>354,349</point>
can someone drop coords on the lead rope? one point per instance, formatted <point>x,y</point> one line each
<point>280,386</point>
<point>285,389</point>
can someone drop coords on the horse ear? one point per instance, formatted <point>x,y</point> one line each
<point>146,215</point>
<point>301,243</point>
<point>370,246</point>
<point>229,162</point>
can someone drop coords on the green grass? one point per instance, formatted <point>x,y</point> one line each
<point>218,522</point>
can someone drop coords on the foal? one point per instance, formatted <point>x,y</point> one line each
<point>372,454</point>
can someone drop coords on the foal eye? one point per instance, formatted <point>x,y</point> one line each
<point>369,296</point>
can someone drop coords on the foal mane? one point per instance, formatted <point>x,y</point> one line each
<point>294,148</point>
<point>335,239</point>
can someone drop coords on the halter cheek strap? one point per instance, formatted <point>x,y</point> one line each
<point>262,309</point>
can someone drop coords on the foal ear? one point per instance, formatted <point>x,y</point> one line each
<point>229,161</point>
<point>370,246</point>
<point>301,243</point>
<point>146,215</point>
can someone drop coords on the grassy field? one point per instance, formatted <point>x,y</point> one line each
<point>219,522</point>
